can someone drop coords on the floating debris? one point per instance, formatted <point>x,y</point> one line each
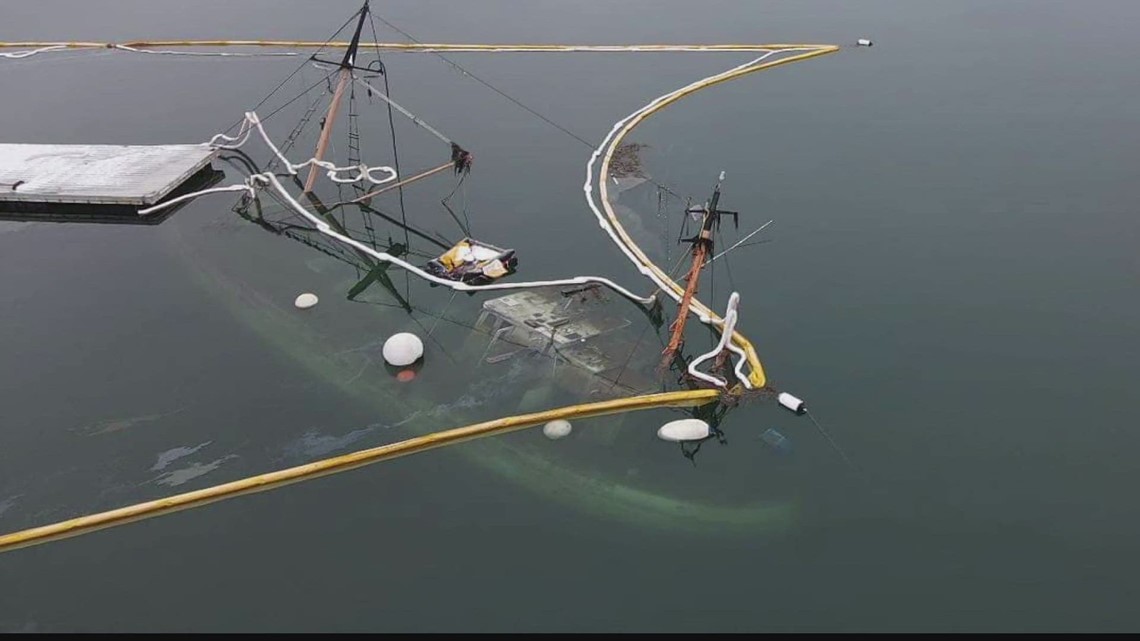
<point>555,430</point>
<point>169,456</point>
<point>313,443</point>
<point>473,262</point>
<point>117,425</point>
<point>776,441</point>
<point>178,477</point>
<point>686,429</point>
<point>626,161</point>
<point>306,300</point>
<point>403,349</point>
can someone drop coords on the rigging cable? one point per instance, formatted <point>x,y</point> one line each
<point>295,98</point>
<point>502,93</point>
<point>295,72</point>
<point>395,151</point>
<point>608,219</point>
<point>832,441</point>
<point>465,227</point>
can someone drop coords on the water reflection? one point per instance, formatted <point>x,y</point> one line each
<point>514,353</point>
<point>21,211</point>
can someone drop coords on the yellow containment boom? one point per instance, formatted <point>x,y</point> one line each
<point>756,376</point>
<point>689,398</point>
<point>343,463</point>
<point>414,47</point>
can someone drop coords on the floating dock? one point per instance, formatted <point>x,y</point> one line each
<point>98,183</point>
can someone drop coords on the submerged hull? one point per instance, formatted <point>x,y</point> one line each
<point>596,470</point>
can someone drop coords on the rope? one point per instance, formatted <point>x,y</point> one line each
<point>27,54</point>
<point>608,221</point>
<point>832,441</point>
<point>444,312</point>
<point>434,48</point>
<point>741,241</point>
<point>323,227</point>
<point>396,158</point>
<point>629,357</point>
<point>224,54</point>
<point>120,516</point>
<point>292,139</point>
<point>730,316</point>
<point>392,104</point>
<point>443,201</point>
<point>343,463</point>
<point>492,87</point>
<point>419,176</point>
<point>133,46</point>
<point>731,280</point>
<point>504,94</point>
<point>252,123</point>
<point>396,163</point>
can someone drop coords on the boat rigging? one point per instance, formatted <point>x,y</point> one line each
<point>368,181</point>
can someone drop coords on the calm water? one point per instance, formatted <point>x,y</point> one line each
<point>950,282</point>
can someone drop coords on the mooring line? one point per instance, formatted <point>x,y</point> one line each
<point>830,440</point>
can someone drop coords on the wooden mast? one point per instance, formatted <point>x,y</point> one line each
<point>702,248</point>
<point>343,78</point>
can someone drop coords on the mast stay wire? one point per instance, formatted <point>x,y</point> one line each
<point>395,150</point>
<point>295,72</point>
<point>514,100</point>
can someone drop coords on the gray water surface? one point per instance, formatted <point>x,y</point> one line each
<point>950,282</point>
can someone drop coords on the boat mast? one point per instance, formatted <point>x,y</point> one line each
<point>344,77</point>
<point>702,248</point>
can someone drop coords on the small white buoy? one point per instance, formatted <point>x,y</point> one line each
<point>792,403</point>
<point>555,430</point>
<point>863,42</point>
<point>403,349</point>
<point>305,301</point>
<point>686,429</point>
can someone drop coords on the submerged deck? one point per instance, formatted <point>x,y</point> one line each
<point>83,178</point>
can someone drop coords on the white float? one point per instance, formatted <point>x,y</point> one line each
<point>403,349</point>
<point>686,429</point>
<point>792,403</point>
<point>305,301</point>
<point>555,430</point>
<point>863,42</point>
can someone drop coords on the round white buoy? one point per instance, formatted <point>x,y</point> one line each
<point>555,430</point>
<point>686,429</point>
<point>403,349</point>
<point>792,403</point>
<point>305,301</point>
